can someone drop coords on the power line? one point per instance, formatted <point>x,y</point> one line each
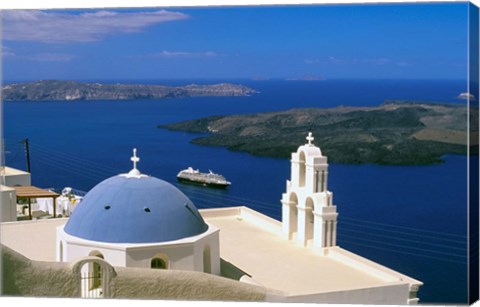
<point>233,199</point>
<point>72,162</point>
<point>243,199</point>
<point>17,153</point>
<point>71,168</point>
<point>404,246</point>
<point>416,234</point>
<point>409,228</point>
<point>78,172</point>
<point>403,252</point>
<point>418,231</point>
<point>93,170</point>
<point>72,158</point>
<point>71,165</point>
<point>101,174</point>
<point>401,232</point>
<point>464,249</point>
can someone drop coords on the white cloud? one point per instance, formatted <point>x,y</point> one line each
<point>380,61</point>
<point>385,61</point>
<point>376,61</point>
<point>39,57</point>
<point>312,61</point>
<point>7,52</point>
<point>325,61</point>
<point>404,64</point>
<point>51,57</point>
<point>54,27</point>
<point>334,60</point>
<point>183,54</point>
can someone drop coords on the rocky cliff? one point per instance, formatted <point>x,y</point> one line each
<point>72,90</point>
<point>397,132</point>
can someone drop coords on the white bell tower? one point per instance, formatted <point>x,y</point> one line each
<point>308,214</point>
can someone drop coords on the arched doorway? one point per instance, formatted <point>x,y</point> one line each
<point>91,286</point>
<point>92,276</point>
<point>159,261</point>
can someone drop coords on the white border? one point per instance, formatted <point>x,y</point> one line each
<point>51,4</point>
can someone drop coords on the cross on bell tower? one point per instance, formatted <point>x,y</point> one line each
<point>310,139</point>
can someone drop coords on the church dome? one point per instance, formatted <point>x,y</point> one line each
<point>135,208</point>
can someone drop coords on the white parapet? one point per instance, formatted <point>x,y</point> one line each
<point>13,177</point>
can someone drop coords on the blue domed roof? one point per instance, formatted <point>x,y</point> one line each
<point>135,209</point>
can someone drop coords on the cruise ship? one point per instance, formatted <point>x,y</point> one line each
<point>207,179</point>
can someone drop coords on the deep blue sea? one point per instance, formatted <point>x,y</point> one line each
<point>410,218</point>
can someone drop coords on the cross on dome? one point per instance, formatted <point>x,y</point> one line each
<point>310,138</point>
<point>134,172</point>
<point>135,159</point>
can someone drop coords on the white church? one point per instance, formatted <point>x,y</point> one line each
<point>134,220</point>
<point>137,223</point>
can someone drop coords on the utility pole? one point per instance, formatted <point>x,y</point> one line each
<point>2,158</point>
<point>27,154</point>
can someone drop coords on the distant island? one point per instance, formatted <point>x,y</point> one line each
<point>394,133</point>
<point>52,90</point>
<point>307,77</point>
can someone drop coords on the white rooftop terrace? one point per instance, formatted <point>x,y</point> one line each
<point>254,243</point>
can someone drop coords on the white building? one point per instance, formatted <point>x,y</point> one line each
<point>136,221</point>
<point>10,178</point>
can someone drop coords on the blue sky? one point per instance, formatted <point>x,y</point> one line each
<point>395,41</point>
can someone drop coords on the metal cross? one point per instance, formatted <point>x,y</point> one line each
<point>135,159</point>
<point>310,138</point>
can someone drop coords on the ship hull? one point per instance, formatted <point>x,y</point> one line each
<point>203,183</point>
